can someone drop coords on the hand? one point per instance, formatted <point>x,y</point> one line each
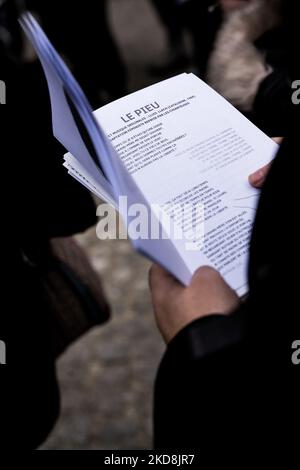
<point>258,178</point>
<point>176,306</point>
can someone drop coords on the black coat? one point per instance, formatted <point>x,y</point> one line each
<point>273,109</point>
<point>230,380</point>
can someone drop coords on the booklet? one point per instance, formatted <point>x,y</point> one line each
<point>173,159</point>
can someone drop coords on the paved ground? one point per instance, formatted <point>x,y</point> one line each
<point>106,378</point>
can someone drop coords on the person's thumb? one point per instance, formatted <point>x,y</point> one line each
<point>258,178</point>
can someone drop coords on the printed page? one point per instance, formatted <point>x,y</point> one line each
<point>185,145</point>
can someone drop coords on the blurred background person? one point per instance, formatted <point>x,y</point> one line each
<point>198,20</point>
<point>81,32</point>
<point>202,20</point>
<point>170,16</point>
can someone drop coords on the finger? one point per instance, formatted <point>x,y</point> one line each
<point>278,140</point>
<point>159,276</point>
<point>205,273</point>
<point>257,178</point>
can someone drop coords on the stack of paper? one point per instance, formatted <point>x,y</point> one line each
<point>178,150</point>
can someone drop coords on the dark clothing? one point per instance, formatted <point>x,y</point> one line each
<point>273,109</point>
<point>169,13</point>
<point>82,33</point>
<point>29,390</point>
<point>203,20</point>
<point>230,380</point>
<point>38,201</point>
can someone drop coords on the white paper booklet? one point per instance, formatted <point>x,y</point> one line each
<point>178,152</point>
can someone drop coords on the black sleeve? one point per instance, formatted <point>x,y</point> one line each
<point>273,108</point>
<point>196,383</point>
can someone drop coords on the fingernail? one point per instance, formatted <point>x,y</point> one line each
<point>256,178</point>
